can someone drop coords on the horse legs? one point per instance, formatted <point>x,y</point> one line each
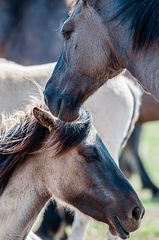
<point>54,222</point>
<point>32,236</point>
<point>131,159</point>
<point>79,227</point>
<point>111,237</point>
<point>145,179</point>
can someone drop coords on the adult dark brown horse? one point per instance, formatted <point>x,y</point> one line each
<point>101,38</point>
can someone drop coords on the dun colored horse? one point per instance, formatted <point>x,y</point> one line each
<point>36,153</point>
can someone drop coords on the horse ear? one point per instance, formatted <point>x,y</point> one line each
<point>45,118</point>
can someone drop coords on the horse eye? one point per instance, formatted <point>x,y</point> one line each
<point>67,34</point>
<point>67,29</point>
<point>92,158</point>
<point>89,154</point>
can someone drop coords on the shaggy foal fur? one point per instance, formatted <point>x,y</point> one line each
<point>27,135</point>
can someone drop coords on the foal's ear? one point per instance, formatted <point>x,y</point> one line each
<point>45,118</point>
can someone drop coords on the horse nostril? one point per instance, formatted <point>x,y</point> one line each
<point>136,213</point>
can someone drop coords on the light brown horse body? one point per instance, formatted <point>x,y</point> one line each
<point>17,84</point>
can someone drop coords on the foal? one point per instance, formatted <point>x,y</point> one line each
<point>43,158</point>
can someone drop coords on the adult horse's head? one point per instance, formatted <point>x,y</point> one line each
<point>84,65</point>
<point>97,47</point>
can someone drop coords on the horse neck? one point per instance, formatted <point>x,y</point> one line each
<point>22,200</point>
<point>143,65</point>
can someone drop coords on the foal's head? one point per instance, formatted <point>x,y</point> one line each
<point>73,165</point>
<point>86,176</point>
<point>101,38</point>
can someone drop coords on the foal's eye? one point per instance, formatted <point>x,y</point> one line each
<point>90,154</point>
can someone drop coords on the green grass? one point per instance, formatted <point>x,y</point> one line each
<point>149,150</point>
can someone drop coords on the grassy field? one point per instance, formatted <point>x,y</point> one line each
<point>149,149</point>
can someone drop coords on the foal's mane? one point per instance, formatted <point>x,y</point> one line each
<point>22,134</point>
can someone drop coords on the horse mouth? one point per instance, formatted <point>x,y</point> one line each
<point>122,233</point>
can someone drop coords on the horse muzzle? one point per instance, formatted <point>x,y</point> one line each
<point>61,106</point>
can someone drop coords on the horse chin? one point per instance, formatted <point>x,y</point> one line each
<point>117,229</point>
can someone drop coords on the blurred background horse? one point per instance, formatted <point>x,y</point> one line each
<point>29,30</point>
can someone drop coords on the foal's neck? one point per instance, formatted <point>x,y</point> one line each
<point>21,202</point>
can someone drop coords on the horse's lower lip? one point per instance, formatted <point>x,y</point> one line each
<point>123,234</point>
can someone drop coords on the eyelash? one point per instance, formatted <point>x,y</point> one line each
<point>90,158</point>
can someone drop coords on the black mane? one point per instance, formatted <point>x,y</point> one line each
<point>69,135</point>
<point>144,20</point>
<point>14,150</point>
<point>27,136</point>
